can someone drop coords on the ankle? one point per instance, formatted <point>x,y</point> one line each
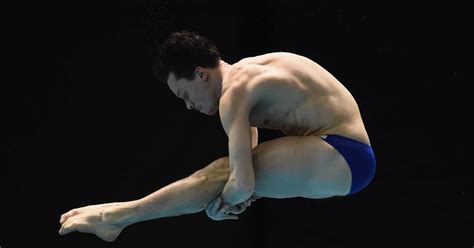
<point>122,214</point>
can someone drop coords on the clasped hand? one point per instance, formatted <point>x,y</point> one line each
<point>219,210</point>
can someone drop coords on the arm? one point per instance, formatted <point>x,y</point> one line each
<point>235,120</point>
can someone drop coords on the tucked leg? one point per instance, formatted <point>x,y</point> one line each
<point>285,167</point>
<point>291,166</point>
<point>300,166</point>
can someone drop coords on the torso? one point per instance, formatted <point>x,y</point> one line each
<point>304,99</point>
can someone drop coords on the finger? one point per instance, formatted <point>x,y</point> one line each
<point>236,211</point>
<point>243,208</point>
<point>210,210</point>
<point>255,197</point>
<point>231,217</point>
<point>227,216</point>
<point>210,204</point>
<point>64,216</point>
<point>215,207</point>
<point>242,204</point>
<point>224,208</point>
<point>62,219</point>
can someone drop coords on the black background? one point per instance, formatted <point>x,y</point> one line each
<point>101,129</point>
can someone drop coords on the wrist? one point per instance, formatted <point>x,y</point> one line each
<point>233,195</point>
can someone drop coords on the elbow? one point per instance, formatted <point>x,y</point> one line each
<point>243,195</point>
<point>246,189</point>
<point>243,189</point>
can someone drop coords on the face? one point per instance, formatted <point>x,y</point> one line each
<point>198,94</point>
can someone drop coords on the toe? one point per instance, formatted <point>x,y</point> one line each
<point>63,218</point>
<point>68,215</point>
<point>67,227</point>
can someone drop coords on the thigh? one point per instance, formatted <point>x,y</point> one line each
<point>299,166</point>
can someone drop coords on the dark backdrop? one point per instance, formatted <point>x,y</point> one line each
<point>103,129</point>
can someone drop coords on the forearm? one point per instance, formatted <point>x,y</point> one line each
<point>233,194</point>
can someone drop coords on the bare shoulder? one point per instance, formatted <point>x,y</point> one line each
<point>241,91</point>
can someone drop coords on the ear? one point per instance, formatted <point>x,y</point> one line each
<point>201,72</point>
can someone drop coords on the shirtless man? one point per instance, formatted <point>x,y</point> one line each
<point>326,151</point>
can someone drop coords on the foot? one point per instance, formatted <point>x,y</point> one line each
<point>94,219</point>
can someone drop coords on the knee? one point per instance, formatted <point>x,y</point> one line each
<point>221,162</point>
<point>218,169</point>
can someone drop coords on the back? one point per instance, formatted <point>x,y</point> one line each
<point>294,94</point>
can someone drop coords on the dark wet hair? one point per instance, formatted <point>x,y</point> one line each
<point>181,53</point>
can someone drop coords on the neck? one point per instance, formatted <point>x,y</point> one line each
<point>224,69</point>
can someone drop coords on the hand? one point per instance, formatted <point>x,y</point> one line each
<point>217,212</point>
<point>92,219</point>
<point>241,207</point>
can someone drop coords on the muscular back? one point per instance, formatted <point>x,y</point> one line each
<point>291,93</point>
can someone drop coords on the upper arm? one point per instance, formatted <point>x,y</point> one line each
<point>235,120</point>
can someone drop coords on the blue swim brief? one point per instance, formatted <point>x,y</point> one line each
<point>359,156</point>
